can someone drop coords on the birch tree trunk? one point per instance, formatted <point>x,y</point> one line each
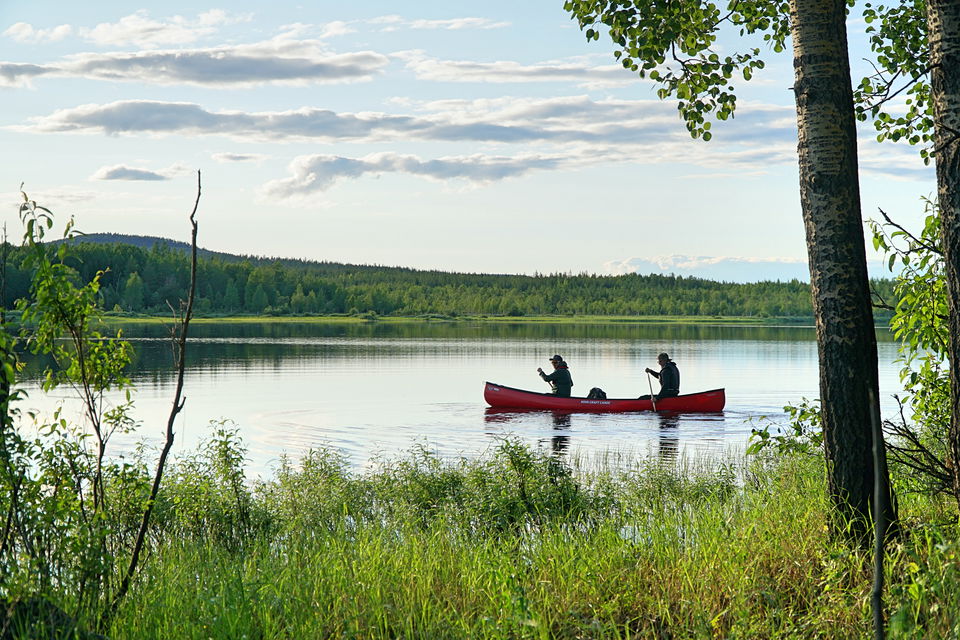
<point>830,199</point>
<point>943,28</point>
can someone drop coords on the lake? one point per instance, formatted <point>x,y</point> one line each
<point>375,390</point>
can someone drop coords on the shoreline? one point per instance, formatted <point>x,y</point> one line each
<point>786,321</point>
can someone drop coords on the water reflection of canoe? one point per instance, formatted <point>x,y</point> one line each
<point>497,395</point>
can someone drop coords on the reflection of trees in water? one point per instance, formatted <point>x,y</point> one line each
<point>668,443</point>
<point>479,330</point>
<point>667,426</point>
<point>500,416</point>
<point>259,344</point>
<point>153,361</point>
<point>560,441</point>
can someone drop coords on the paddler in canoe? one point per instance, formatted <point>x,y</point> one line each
<point>560,380</point>
<point>669,377</point>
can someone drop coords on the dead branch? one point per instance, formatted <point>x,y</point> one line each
<point>178,402</point>
<point>906,448</point>
<point>880,302</point>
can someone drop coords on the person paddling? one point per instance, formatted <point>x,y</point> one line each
<point>560,380</point>
<point>669,377</point>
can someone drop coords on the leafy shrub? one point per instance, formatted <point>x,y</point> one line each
<point>315,494</point>
<point>207,495</point>
<point>803,434</point>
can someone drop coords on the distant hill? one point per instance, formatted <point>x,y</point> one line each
<point>149,242</point>
<point>144,242</point>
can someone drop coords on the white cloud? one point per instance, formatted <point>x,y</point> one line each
<point>726,268</point>
<point>143,31</point>
<point>560,121</point>
<point>124,172</point>
<point>316,173</point>
<point>236,66</point>
<point>506,71</point>
<point>313,32</point>
<point>136,116</point>
<point>64,197</point>
<point>16,74</point>
<point>577,129</point>
<point>24,32</point>
<point>894,160</point>
<point>396,23</point>
<point>591,72</point>
<point>276,61</point>
<point>225,157</point>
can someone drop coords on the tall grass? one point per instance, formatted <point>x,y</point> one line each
<point>519,545</point>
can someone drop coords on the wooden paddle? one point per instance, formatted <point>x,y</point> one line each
<point>652,399</point>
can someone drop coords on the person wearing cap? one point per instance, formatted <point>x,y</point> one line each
<point>560,380</point>
<point>669,377</point>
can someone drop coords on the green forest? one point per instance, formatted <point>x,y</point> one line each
<point>148,280</point>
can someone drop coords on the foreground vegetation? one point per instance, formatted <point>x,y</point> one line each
<point>519,544</point>
<point>516,543</point>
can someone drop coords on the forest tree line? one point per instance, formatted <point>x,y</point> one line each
<point>148,280</point>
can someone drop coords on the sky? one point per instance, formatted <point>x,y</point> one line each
<point>461,136</point>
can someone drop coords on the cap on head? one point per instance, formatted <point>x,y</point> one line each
<point>663,357</point>
<point>556,359</point>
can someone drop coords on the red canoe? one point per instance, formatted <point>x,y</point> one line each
<point>503,397</point>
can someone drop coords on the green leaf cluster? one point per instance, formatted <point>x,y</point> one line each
<point>920,319</point>
<point>898,38</point>
<point>61,305</point>
<point>674,44</point>
<point>60,492</point>
<point>802,435</point>
<point>920,323</point>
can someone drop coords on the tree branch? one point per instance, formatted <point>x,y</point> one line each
<point>178,402</point>
<point>914,239</point>
<point>880,303</point>
<point>914,454</point>
<point>888,85</point>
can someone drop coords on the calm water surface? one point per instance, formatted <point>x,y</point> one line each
<point>376,390</point>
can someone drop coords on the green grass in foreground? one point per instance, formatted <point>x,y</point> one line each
<point>519,545</point>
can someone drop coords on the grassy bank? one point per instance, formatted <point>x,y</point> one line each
<point>517,544</point>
